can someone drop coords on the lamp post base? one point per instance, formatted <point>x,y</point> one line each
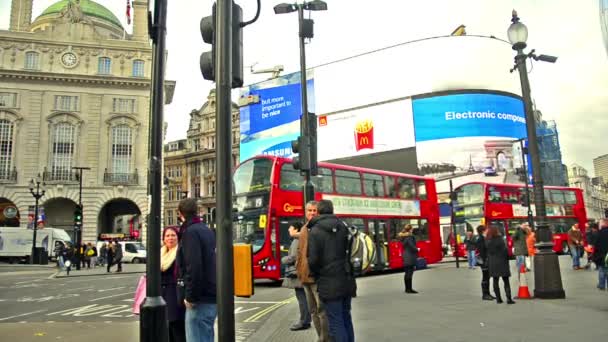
<point>547,276</point>
<point>153,326</point>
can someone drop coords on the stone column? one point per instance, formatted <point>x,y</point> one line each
<point>140,20</point>
<point>21,15</point>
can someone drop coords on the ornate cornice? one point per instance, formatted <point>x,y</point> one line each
<point>67,78</point>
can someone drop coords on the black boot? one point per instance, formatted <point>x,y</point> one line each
<point>497,294</point>
<point>408,285</point>
<point>485,291</point>
<point>508,293</point>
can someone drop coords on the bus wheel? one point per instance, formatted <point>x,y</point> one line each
<point>565,248</point>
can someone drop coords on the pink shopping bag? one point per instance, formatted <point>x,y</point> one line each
<point>140,294</point>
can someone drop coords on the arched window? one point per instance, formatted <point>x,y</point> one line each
<point>122,149</point>
<point>32,60</point>
<point>138,68</point>
<point>7,130</point>
<point>62,158</point>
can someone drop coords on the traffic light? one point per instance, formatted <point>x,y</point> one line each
<point>208,32</point>
<point>207,61</point>
<point>302,160</point>
<point>312,131</point>
<point>78,216</point>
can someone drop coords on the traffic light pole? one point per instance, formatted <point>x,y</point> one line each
<point>309,190</point>
<point>223,153</point>
<point>153,326</point>
<point>79,231</point>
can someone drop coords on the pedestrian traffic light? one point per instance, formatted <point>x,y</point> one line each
<point>207,60</point>
<point>78,216</point>
<point>208,32</point>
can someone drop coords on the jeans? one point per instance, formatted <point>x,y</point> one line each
<point>199,322</point>
<point>340,320</point>
<point>304,313</point>
<point>520,260</point>
<point>576,259</point>
<point>471,259</point>
<point>317,311</point>
<point>602,272</point>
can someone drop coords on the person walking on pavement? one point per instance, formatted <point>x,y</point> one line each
<point>118,255</point>
<point>168,282</point>
<point>530,243</point>
<point>482,261</point>
<point>68,256</point>
<point>520,247</point>
<point>575,242</point>
<point>498,262</point>
<point>469,242</point>
<point>329,262</point>
<point>110,255</point>
<point>599,255</point>
<point>317,311</point>
<point>592,232</point>
<point>88,253</point>
<point>410,256</point>
<point>291,280</point>
<point>196,261</point>
<point>103,253</point>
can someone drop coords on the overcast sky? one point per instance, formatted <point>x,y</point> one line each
<point>574,91</point>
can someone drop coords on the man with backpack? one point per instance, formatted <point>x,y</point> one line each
<point>328,253</point>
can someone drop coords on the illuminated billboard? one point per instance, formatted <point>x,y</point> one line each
<point>365,130</point>
<point>469,136</point>
<point>271,120</point>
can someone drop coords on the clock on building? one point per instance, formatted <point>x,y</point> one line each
<point>69,59</point>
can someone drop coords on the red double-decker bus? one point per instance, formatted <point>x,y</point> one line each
<point>505,206</point>
<point>268,197</point>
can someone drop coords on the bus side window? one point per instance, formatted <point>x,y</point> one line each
<point>422,190</point>
<point>348,182</point>
<point>406,188</point>
<point>389,182</point>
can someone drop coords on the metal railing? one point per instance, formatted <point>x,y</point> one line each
<point>60,176</point>
<point>8,175</point>
<point>110,178</point>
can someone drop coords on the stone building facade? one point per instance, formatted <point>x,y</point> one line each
<point>595,195</point>
<point>75,92</point>
<point>197,161</point>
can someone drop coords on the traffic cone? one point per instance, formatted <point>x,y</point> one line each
<point>523,292</point>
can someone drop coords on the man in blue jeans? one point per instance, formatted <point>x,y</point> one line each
<point>329,263</point>
<point>196,262</point>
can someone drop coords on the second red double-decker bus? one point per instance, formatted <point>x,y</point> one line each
<point>268,197</point>
<point>505,206</point>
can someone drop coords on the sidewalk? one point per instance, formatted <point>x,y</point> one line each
<point>61,331</point>
<point>101,271</point>
<point>449,308</point>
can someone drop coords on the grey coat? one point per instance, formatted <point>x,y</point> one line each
<point>291,281</point>
<point>498,257</point>
<point>519,242</point>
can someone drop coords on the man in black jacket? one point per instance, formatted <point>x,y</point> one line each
<point>482,260</point>
<point>196,262</point>
<point>599,255</point>
<point>329,263</point>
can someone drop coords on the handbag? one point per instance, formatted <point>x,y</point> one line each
<point>180,288</point>
<point>140,294</point>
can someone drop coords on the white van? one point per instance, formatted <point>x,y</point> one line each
<point>132,251</point>
<point>16,243</point>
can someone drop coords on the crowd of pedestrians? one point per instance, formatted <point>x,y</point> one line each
<point>86,256</point>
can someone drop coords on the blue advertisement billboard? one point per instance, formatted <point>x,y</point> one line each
<point>270,124</point>
<point>468,115</point>
<point>469,136</point>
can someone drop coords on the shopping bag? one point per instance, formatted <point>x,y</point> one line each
<point>140,294</point>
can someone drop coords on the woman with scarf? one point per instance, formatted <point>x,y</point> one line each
<point>168,281</point>
<point>410,256</point>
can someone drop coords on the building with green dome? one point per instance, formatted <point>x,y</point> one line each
<point>75,92</point>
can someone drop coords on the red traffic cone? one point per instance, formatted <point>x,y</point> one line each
<point>523,292</point>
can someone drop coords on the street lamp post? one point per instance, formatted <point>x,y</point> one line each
<point>305,31</point>
<point>525,171</point>
<point>39,191</point>
<point>79,232</point>
<point>547,277</point>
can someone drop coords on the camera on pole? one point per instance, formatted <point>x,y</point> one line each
<point>209,32</point>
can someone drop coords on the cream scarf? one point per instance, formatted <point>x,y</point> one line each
<point>167,257</point>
